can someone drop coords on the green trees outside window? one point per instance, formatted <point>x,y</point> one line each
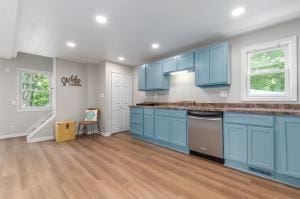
<point>35,90</point>
<point>267,71</point>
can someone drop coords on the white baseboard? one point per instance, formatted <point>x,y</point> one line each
<point>41,139</point>
<point>105,134</point>
<point>12,135</point>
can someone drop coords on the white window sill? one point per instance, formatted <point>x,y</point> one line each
<point>34,110</point>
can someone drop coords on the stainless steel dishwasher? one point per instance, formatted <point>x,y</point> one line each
<point>206,134</point>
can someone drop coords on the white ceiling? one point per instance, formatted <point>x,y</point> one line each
<point>44,26</point>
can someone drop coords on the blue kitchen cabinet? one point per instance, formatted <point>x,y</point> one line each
<point>142,78</point>
<point>219,64</point>
<point>149,123</point>
<point>178,131</point>
<point>155,79</point>
<point>186,61</point>
<point>202,67</point>
<point>137,121</point>
<point>235,142</point>
<point>170,64</point>
<point>288,146</point>
<point>213,65</point>
<point>162,125</point>
<point>261,147</point>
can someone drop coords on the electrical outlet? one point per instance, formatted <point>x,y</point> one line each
<point>224,93</point>
<point>13,102</point>
<point>11,127</point>
<point>155,96</point>
<point>7,70</point>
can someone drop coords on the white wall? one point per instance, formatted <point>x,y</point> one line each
<point>183,87</point>
<point>8,87</point>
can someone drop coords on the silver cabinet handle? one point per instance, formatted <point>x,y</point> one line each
<point>206,118</point>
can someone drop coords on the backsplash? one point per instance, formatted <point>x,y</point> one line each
<point>182,87</point>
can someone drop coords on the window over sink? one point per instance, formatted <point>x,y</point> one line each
<point>269,71</point>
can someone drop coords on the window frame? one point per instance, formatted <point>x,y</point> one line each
<point>291,74</point>
<point>19,92</point>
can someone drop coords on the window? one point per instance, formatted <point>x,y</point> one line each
<point>34,90</point>
<point>269,71</point>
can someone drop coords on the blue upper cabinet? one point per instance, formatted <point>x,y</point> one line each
<point>213,66</point>
<point>142,78</point>
<point>155,79</point>
<point>288,146</point>
<point>219,64</point>
<point>170,64</point>
<point>186,61</point>
<point>202,67</point>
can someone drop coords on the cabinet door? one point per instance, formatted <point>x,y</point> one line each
<point>149,125</point>
<point>261,147</point>
<point>162,128</point>
<point>219,64</point>
<point>202,67</point>
<point>142,78</point>
<point>178,131</point>
<point>170,64</point>
<point>154,76</point>
<point>186,61</point>
<point>288,146</point>
<point>235,142</point>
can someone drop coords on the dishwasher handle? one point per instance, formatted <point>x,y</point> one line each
<point>206,118</point>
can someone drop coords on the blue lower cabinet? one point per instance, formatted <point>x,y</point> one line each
<point>149,125</point>
<point>178,131</point>
<point>288,146</point>
<point>137,121</point>
<point>261,147</point>
<point>162,128</point>
<point>167,128</point>
<point>235,142</point>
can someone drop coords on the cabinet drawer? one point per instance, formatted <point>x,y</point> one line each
<point>149,111</point>
<point>178,114</point>
<point>136,110</point>
<point>136,118</point>
<point>250,119</point>
<point>162,112</point>
<point>136,128</point>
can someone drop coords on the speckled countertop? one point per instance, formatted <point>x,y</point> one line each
<point>277,109</point>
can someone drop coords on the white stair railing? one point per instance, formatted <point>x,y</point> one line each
<point>41,124</point>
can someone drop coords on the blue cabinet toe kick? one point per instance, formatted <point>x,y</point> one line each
<point>162,144</point>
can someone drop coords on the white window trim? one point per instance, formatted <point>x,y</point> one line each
<point>291,73</point>
<point>33,109</point>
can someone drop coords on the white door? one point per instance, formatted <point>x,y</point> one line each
<point>121,97</point>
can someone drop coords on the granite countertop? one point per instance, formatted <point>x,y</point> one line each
<point>277,109</point>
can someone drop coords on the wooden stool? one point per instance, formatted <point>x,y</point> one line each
<point>86,123</point>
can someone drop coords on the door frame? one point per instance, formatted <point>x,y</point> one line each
<point>111,89</point>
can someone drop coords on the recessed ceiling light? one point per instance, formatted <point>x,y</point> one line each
<point>155,45</point>
<point>71,44</point>
<point>238,11</point>
<point>121,58</point>
<point>101,19</point>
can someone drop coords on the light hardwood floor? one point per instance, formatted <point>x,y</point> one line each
<point>120,167</point>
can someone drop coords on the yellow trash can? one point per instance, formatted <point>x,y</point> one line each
<point>65,130</point>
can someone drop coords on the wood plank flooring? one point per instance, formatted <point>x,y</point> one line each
<point>120,167</point>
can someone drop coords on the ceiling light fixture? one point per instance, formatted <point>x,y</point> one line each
<point>238,11</point>
<point>121,58</point>
<point>71,44</point>
<point>101,19</point>
<point>155,45</point>
<point>179,72</point>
